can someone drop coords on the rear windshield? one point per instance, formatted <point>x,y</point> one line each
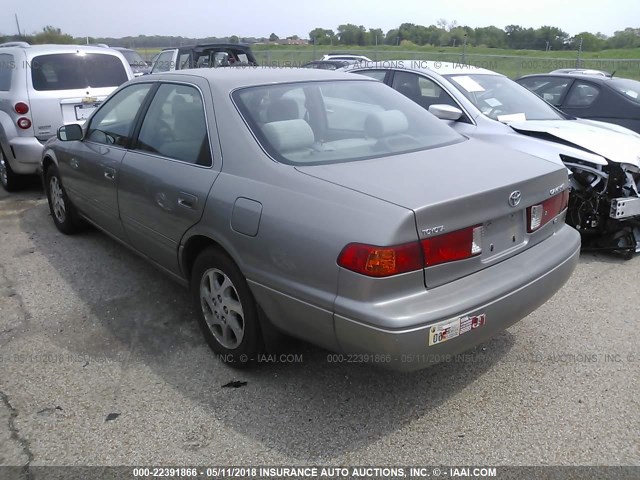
<point>311,123</point>
<point>71,71</point>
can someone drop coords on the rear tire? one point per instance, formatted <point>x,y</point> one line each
<point>227,312</point>
<point>64,214</point>
<point>8,178</point>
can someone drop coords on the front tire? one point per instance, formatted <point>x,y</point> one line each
<point>8,178</point>
<point>64,214</point>
<point>227,312</point>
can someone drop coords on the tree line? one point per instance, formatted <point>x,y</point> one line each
<point>444,33</point>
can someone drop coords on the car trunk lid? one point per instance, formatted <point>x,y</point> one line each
<point>455,187</point>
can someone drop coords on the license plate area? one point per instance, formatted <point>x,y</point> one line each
<point>503,234</point>
<point>85,110</point>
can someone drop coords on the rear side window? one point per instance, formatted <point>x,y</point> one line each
<point>582,94</point>
<point>7,66</point>
<point>71,71</point>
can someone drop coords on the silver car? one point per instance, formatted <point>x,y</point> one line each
<point>320,204</point>
<point>43,87</point>
<point>604,158</point>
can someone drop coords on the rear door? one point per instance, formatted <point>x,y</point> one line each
<point>166,177</point>
<point>67,87</point>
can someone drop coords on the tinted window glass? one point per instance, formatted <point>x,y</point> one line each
<point>7,66</point>
<point>582,94</point>
<point>549,88</point>
<point>70,71</point>
<point>338,121</point>
<point>175,125</point>
<point>134,58</point>
<point>113,122</point>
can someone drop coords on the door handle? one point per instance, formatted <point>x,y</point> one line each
<point>74,163</point>
<point>187,200</point>
<point>109,173</point>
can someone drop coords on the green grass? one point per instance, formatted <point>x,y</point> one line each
<point>513,63</point>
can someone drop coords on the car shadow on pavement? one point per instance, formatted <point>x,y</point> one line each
<point>301,405</point>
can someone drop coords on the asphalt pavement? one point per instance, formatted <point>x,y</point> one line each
<point>102,363</point>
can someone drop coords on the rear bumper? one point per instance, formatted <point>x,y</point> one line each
<point>25,155</point>
<point>504,293</point>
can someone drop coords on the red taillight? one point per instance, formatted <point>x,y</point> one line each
<point>539,215</point>
<point>21,108</point>
<point>376,261</point>
<point>458,245</point>
<point>24,123</point>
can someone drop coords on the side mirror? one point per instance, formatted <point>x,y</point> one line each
<point>446,112</point>
<point>69,133</point>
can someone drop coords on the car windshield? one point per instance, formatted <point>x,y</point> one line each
<point>133,57</point>
<point>629,88</point>
<point>71,71</point>
<point>502,99</point>
<point>311,123</point>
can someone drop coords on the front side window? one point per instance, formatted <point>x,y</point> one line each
<point>175,125</point>
<point>502,99</point>
<point>112,124</point>
<point>551,89</point>
<point>582,94</point>
<point>72,71</point>
<point>311,123</point>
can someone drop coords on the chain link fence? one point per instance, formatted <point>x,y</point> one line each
<point>511,65</point>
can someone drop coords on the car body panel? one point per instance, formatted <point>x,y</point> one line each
<point>285,225</point>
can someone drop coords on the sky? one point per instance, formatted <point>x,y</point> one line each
<point>259,18</point>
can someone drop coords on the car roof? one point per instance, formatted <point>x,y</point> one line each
<point>442,68</point>
<point>204,46</point>
<point>54,48</point>
<point>231,78</point>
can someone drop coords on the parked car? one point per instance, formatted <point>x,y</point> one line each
<point>328,64</point>
<point>325,205</point>
<point>43,87</point>
<point>346,56</point>
<point>136,62</point>
<point>606,99</point>
<point>208,55</point>
<point>603,158</point>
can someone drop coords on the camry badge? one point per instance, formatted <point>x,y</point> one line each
<point>514,198</point>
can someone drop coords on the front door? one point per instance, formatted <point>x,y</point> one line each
<point>91,167</point>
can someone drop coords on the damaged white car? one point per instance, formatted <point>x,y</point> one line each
<point>604,159</point>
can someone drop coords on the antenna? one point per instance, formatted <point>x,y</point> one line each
<point>18,25</point>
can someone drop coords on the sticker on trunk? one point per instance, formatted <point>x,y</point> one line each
<point>448,329</point>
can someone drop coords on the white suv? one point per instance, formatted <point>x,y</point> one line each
<point>43,87</point>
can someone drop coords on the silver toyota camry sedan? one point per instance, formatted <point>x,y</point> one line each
<point>323,205</point>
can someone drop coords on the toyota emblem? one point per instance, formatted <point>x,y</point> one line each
<point>514,198</point>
